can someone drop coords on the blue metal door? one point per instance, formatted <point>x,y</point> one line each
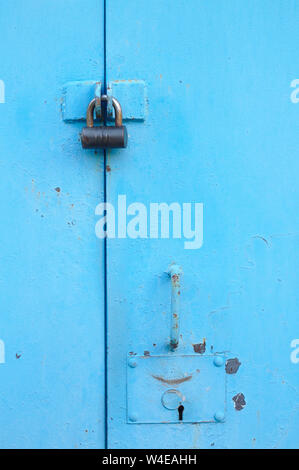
<point>52,392</point>
<point>221,131</point>
<point>180,329</point>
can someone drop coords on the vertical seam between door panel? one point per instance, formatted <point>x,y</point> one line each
<point>105,255</point>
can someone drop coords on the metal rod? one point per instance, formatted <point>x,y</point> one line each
<point>175,273</point>
<point>89,113</point>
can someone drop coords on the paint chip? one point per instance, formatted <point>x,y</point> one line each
<point>232,366</point>
<point>200,347</point>
<point>239,401</point>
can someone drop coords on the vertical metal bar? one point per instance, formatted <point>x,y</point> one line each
<point>175,273</point>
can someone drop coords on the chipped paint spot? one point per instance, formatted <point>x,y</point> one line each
<point>57,189</point>
<point>200,347</point>
<point>18,356</point>
<point>172,381</point>
<point>108,168</point>
<point>146,353</point>
<point>232,366</point>
<point>239,401</point>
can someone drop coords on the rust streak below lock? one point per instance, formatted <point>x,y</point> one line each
<point>104,136</point>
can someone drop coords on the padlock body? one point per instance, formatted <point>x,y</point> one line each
<point>102,137</point>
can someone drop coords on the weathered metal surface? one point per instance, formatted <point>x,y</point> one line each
<point>132,94</point>
<point>231,63</point>
<point>158,385</point>
<point>75,97</point>
<point>51,269</point>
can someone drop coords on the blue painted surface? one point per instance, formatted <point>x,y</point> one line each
<point>51,269</point>
<point>221,130</point>
<point>75,98</point>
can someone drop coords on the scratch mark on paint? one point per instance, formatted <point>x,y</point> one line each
<point>172,381</point>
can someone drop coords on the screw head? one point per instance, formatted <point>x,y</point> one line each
<point>218,361</point>
<point>219,416</point>
<point>132,363</point>
<point>133,418</point>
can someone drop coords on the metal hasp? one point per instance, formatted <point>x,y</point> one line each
<point>175,273</point>
<point>104,136</point>
<point>132,94</point>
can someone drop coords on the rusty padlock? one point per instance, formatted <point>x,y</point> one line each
<point>104,136</point>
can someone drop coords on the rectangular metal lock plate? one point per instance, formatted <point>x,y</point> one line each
<point>158,385</point>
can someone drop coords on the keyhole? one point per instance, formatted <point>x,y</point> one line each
<point>180,410</point>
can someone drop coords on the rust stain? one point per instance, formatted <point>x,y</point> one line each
<point>58,189</point>
<point>108,168</point>
<point>146,353</point>
<point>200,347</point>
<point>176,280</point>
<point>172,381</point>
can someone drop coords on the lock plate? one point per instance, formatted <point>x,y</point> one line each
<point>158,385</point>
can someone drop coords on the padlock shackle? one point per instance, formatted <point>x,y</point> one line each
<point>117,110</point>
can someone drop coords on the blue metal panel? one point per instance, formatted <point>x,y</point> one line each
<point>221,130</point>
<point>75,99</point>
<point>51,270</point>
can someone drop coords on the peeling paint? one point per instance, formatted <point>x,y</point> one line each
<point>200,347</point>
<point>239,401</point>
<point>232,366</point>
